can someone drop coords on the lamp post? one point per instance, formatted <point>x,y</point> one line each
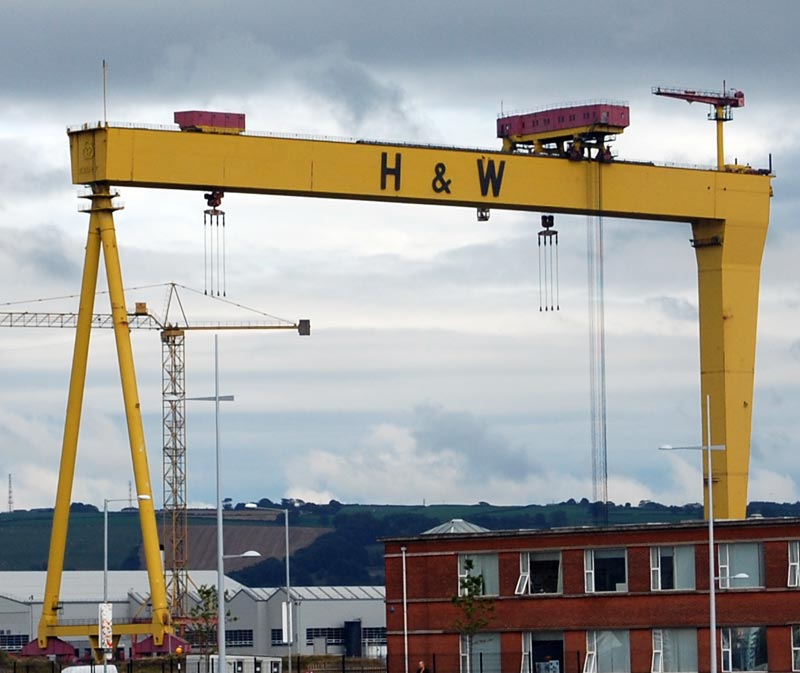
<point>104,643</point>
<point>405,611</point>
<point>289,630</point>
<point>712,598</point>
<point>217,398</point>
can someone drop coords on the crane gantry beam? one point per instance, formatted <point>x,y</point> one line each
<point>728,212</point>
<point>169,159</point>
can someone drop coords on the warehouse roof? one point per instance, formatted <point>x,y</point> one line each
<point>456,526</point>
<point>87,585</point>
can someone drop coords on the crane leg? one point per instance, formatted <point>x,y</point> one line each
<point>66,473</point>
<point>729,265</point>
<point>133,415</point>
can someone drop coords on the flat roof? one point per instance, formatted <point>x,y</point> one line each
<point>754,521</point>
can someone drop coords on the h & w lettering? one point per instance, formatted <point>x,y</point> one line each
<point>394,170</point>
<point>490,177</point>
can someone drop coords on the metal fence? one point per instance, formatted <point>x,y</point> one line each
<point>300,664</point>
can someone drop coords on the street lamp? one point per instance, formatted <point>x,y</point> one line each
<point>712,598</point>
<point>104,643</point>
<point>217,398</point>
<point>289,630</point>
<point>250,553</point>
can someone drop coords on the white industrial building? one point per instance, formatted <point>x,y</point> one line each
<point>325,620</point>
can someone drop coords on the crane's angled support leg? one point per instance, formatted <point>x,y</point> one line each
<point>729,266</point>
<point>147,518</point>
<point>66,474</point>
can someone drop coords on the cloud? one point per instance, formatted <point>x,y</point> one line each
<point>768,485</point>
<point>27,173</point>
<point>437,456</point>
<point>675,308</point>
<point>438,432</point>
<point>44,255</point>
<point>355,95</point>
<point>34,441</point>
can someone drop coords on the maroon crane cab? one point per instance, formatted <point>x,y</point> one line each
<point>210,122</point>
<point>564,121</point>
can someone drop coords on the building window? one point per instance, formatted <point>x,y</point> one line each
<point>239,637</point>
<point>607,652</point>
<point>671,568</point>
<point>674,651</point>
<point>370,635</point>
<point>794,564</point>
<point>539,573</point>
<point>333,635</point>
<point>740,565</point>
<point>484,566</point>
<point>374,635</point>
<point>204,637</point>
<point>796,648</point>
<point>276,637</point>
<point>524,581</point>
<point>605,570</point>
<point>13,643</point>
<point>542,652</point>
<point>744,648</point>
<point>480,653</point>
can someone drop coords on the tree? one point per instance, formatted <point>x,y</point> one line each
<point>202,626</point>
<point>476,609</point>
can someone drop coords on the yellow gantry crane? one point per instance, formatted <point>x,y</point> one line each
<point>728,211</point>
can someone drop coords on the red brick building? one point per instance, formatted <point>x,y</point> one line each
<point>632,598</point>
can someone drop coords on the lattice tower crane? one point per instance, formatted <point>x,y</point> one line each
<point>173,399</point>
<point>721,103</point>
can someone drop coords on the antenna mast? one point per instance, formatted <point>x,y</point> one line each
<point>105,93</point>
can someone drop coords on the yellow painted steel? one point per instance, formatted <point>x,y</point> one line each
<point>102,236</point>
<point>66,473</point>
<point>539,139</point>
<point>369,171</point>
<point>720,118</point>
<point>728,211</point>
<point>133,415</point>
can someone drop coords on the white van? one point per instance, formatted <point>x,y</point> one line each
<point>90,668</point>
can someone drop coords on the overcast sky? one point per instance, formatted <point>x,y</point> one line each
<point>431,375</point>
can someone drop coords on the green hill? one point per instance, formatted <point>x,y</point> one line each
<point>332,544</point>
